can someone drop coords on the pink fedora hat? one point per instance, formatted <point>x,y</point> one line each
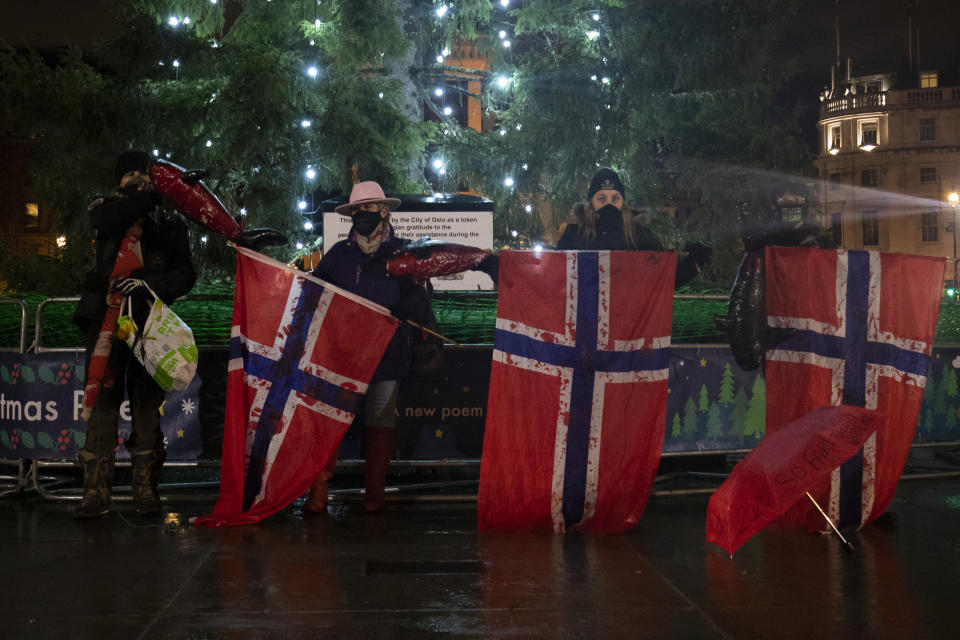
<point>364,193</point>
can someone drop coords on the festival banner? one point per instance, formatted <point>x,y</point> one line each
<point>41,398</point>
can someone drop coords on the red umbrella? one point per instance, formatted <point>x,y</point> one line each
<point>782,468</point>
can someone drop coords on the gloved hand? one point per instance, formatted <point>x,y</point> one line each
<point>130,287</point>
<point>257,239</point>
<point>699,252</point>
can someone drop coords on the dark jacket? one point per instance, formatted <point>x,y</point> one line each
<point>347,267</point>
<point>165,247</point>
<point>572,239</point>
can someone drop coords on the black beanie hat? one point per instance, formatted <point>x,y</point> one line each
<point>604,179</point>
<point>130,160</point>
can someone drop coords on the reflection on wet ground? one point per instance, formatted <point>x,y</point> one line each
<point>422,570</point>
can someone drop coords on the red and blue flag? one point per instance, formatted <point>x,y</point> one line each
<point>298,369</point>
<point>860,329</point>
<point>578,389</point>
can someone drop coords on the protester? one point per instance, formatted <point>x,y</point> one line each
<point>359,264</point>
<point>605,222</point>
<point>167,268</point>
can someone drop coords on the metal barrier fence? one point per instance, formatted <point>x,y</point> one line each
<point>35,474</point>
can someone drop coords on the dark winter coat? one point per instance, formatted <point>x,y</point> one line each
<point>347,267</point>
<point>165,246</point>
<point>572,239</point>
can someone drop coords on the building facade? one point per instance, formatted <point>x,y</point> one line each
<point>889,158</point>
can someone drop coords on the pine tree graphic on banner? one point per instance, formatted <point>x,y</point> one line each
<point>927,423</point>
<point>714,421</point>
<point>676,428</point>
<point>738,417</point>
<point>704,405</point>
<point>756,423</point>
<point>726,386</point>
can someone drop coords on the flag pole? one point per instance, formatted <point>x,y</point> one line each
<point>434,333</point>
<point>846,544</point>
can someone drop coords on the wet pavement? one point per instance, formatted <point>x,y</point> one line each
<point>421,569</point>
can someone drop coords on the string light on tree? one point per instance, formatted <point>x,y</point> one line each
<point>209,143</point>
<point>506,44</point>
<point>596,17</point>
<point>312,71</point>
<point>593,35</point>
<point>302,205</point>
<point>503,82</point>
<point>311,173</point>
<point>447,111</point>
<point>308,226</point>
<point>438,92</point>
<point>299,245</point>
<point>508,181</point>
<point>306,123</point>
<point>442,10</point>
<point>528,208</point>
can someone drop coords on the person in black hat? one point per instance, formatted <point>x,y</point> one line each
<point>168,270</point>
<point>605,222</point>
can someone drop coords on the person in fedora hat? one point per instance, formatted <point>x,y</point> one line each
<point>604,221</point>
<point>358,264</point>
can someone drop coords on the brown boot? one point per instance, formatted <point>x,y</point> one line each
<point>317,500</point>
<point>145,467</point>
<point>379,446</point>
<point>97,480</point>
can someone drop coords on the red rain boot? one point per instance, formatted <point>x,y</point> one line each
<point>379,446</point>
<point>317,500</point>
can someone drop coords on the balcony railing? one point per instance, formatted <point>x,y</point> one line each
<point>854,103</point>
<point>848,105</point>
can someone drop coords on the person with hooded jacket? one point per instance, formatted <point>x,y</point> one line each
<point>605,222</point>
<point>359,264</point>
<point>168,270</point>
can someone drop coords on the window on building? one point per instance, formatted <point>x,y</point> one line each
<point>833,138</point>
<point>836,229</point>
<point>868,178</point>
<point>873,86</point>
<point>929,80</point>
<point>929,227</point>
<point>31,216</point>
<point>868,134</point>
<point>928,174</point>
<point>836,181</point>
<point>928,129</point>
<point>871,228</point>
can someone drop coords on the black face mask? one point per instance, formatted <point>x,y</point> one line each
<point>366,221</point>
<point>609,219</point>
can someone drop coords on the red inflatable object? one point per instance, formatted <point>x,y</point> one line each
<point>193,199</point>
<point>428,258</point>
<point>782,467</point>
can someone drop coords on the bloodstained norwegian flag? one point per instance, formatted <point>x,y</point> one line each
<point>578,389</point>
<point>302,353</point>
<point>861,327</point>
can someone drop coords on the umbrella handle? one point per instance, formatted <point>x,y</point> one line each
<point>846,544</point>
